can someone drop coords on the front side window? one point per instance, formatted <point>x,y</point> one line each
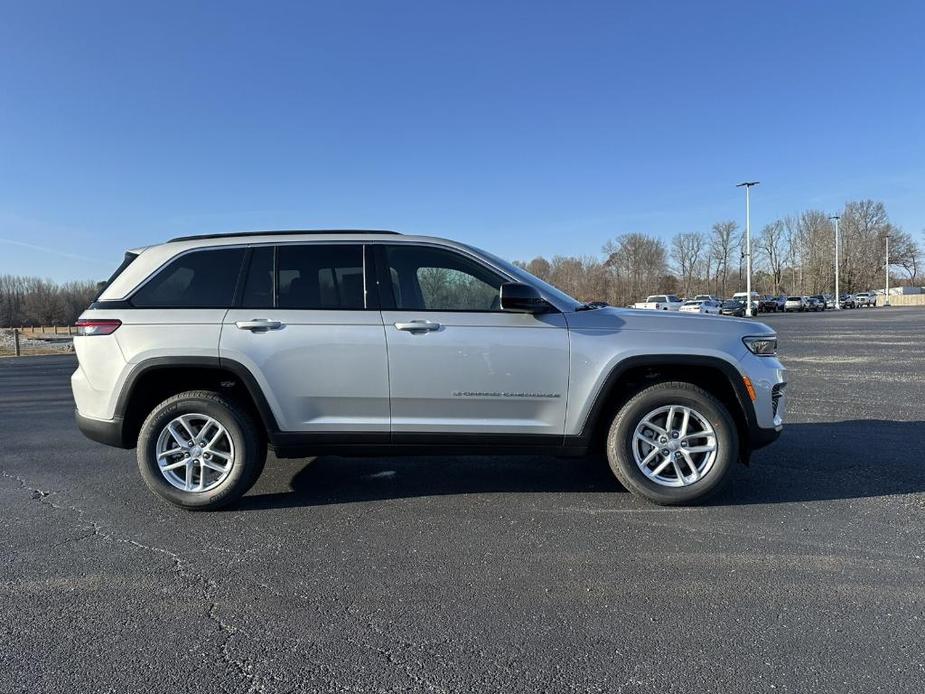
<point>199,279</point>
<point>320,276</point>
<point>435,279</point>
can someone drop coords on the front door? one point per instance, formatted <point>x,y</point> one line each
<point>457,362</point>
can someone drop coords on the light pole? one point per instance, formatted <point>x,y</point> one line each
<point>886,294</point>
<point>748,247</point>
<point>837,295</point>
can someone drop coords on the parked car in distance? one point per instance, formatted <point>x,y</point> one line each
<point>819,299</point>
<point>829,301</point>
<point>814,304</point>
<point>700,306</point>
<point>865,299</point>
<point>847,301</point>
<point>203,352</point>
<point>733,307</point>
<point>794,303</point>
<point>740,296</point>
<point>767,304</point>
<point>660,302</point>
<point>706,297</point>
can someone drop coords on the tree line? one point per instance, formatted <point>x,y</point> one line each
<point>35,301</point>
<point>791,255</point>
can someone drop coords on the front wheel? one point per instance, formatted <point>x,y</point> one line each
<point>200,450</point>
<point>673,443</point>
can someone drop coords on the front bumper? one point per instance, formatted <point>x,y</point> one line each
<point>760,437</point>
<point>108,431</point>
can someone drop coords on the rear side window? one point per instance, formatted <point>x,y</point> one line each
<point>320,276</point>
<point>127,260</point>
<point>200,279</point>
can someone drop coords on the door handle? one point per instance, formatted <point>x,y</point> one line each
<point>416,325</point>
<point>259,324</point>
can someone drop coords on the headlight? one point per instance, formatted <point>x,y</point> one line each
<point>763,345</point>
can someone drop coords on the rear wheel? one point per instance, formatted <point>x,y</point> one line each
<point>672,443</point>
<point>200,450</point>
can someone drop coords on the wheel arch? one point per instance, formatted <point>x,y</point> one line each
<point>154,380</point>
<point>715,375</point>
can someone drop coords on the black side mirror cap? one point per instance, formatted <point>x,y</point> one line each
<point>522,298</point>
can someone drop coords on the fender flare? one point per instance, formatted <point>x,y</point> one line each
<point>239,371</point>
<point>619,370</point>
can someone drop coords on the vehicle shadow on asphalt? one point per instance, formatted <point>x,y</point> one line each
<point>810,462</point>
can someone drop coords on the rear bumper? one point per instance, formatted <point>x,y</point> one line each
<point>107,431</point>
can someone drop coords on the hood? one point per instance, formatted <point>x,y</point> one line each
<point>611,318</point>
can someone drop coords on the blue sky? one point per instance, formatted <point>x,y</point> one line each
<point>524,127</point>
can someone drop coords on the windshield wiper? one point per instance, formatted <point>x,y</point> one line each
<point>591,305</point>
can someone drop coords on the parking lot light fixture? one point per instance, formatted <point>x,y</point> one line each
<point>748,246</point>
<point>886,293</point>
<point>835,218</point>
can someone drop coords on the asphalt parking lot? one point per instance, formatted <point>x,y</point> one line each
<point>484,574</point>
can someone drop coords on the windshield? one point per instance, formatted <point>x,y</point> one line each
<point>545,288</point>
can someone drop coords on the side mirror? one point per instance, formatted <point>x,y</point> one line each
<point>522,298</point>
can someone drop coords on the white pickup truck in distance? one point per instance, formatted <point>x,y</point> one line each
<point>660,302</point>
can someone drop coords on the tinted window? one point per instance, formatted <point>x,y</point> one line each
<point>320,276</point>
<point>200,279</point>
<point>434,279</point>
<point>127,260</point>
<point>258,287</point>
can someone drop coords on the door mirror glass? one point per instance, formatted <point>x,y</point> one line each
<point>522,298</point>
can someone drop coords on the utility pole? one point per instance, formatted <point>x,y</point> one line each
<point>886,294</point>
<point>837,295</point>
<point>748,246</point>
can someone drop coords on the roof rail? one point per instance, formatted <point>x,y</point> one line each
<point>281,233</point>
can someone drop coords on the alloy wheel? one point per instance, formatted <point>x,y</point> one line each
<point>674,446</point>
<point>195,452</point>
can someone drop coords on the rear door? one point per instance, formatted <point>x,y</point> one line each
<point>309,333</point>
<point>457,362</point>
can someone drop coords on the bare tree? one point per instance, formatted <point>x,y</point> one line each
<point>817,239</point>
<point>771,244</point>
<point>863,225</point>
<point>905,253</point>
<point>638,263</point>
<point>722,243</point>
<point>34,301</point>
<point>686,251</point>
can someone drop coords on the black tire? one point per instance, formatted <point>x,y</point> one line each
<point>620,453</point>
<point>249,446</point>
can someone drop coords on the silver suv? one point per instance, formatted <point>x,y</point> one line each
<point>203,351</point>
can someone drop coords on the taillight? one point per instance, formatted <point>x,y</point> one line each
<point>97,326</point>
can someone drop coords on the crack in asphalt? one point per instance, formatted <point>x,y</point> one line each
<point>209,587</point>
<point>243,667</point>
